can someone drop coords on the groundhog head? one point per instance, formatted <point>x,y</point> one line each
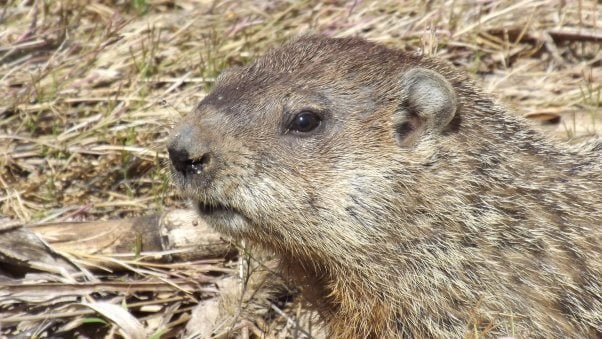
<point>314,147</point>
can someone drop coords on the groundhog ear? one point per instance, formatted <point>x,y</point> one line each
<point>428,102</point>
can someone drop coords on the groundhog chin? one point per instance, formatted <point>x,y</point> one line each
<point>224,219</point>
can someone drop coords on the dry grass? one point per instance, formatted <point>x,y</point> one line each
<point>90,89</point>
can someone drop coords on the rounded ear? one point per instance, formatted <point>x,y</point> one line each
<point>428,103</point>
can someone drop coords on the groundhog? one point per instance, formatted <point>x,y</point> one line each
<point>401,198</point>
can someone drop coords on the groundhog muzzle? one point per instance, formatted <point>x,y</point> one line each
<point>401,198</point>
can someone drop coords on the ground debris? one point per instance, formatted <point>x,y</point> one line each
<point>90,91</point>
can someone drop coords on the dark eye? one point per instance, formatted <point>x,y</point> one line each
<point>305,121</point>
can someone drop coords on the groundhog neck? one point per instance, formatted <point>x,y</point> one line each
<point>341,292</point>
<point>490,189</point>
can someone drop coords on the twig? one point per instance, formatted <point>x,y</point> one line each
<point>576,34</point>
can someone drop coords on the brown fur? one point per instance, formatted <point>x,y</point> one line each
<point>418,208</point>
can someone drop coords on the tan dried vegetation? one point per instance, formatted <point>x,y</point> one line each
<point>89,91</point>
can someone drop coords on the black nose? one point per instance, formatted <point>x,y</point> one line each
<point>183,163</point>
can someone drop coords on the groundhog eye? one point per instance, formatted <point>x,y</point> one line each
<point>305,121</point>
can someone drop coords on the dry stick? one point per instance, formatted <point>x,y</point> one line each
<point>54,315</point>
<point>576,34</point>
<point>68,289</point>
<point>10,225</point>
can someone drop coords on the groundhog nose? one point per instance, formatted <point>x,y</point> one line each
<point>188,152</point>
<point>185,164</point>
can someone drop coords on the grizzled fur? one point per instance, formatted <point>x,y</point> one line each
<point>418,207</point>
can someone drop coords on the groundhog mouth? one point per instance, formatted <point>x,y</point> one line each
<point>223,218</point>
<point>210,208</point>
<point>215,209</point>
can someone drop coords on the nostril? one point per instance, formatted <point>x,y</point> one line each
<point>199,165</point>
<point>205,160</point>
